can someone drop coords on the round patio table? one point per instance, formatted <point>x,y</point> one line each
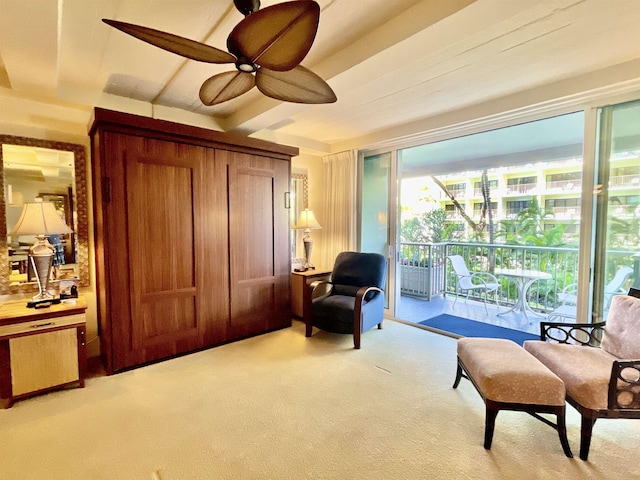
<point>524,279</point>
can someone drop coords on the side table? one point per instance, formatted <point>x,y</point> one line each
<point>41,349</point>
<point>300,282</point>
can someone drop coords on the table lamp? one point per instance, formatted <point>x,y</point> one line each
<point>307,222</point>
<point>40,219</point>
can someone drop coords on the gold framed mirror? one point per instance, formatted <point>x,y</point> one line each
<point>58,174</point>
<point>299,201</point>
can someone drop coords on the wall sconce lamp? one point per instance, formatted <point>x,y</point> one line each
<point>306,222</point>
<point>40,219</point>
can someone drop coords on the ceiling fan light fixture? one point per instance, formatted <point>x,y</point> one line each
<point>246,66</point>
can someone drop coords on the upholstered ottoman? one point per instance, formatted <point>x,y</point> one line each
<point>509,378</point>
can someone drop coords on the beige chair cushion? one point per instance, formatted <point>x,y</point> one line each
<point>584,370</point>
<point>504,372</point>
<point>621,336</point>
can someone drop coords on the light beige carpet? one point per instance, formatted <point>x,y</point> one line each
<point>281,406</point>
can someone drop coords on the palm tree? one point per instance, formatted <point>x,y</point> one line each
<point>478,228</point>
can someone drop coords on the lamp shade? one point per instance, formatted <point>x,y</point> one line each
<point>39,218</point>
<point>307,220</point>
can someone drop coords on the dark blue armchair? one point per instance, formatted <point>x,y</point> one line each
<point>354,302</point>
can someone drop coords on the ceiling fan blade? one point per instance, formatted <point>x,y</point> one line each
<point>276,37</point>
<point>225,86</point>
<point>299,85</point>
<point>173,43</point>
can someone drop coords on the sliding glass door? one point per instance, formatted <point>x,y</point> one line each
<point>616,251</point>
<point>505,199</point>
<point>376,212</point>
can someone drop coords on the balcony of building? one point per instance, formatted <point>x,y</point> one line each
<point>428,283</point>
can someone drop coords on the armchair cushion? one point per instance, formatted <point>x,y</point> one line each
<point>334,313</point>
<point>586,371</point>
<point>621,338</point>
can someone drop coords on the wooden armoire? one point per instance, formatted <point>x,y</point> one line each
<point>191,237</point>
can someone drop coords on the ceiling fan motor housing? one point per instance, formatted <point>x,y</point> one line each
<point>247,7</point>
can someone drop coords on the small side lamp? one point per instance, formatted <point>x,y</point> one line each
<point>306,222</point>
<point>40,219</point>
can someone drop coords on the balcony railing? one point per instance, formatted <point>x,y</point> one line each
<point>522,188</point>
<point>623,211</point>
<point>566,213</point>
<point>564,186</point>
<point>426,273</point>
<point>625,181</point>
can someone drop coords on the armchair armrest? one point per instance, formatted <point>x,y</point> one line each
<point>313,286</point>
<point>483,277</point>
<point>307,299</point>
<point>362,291</point>
<point>624,385</point>
<point>588,334</point>
<point>357,310</point>
<point>360,294</point>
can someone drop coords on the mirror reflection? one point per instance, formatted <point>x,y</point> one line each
<point>43,171</point>
<point>39,174</point>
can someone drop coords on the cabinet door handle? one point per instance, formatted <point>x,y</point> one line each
<point>40,325</point>
<point>287,199</point>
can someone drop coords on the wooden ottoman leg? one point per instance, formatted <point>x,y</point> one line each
<point>489,426</point>
<point>458,375</point>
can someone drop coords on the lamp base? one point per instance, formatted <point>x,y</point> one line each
<point>41,255</point>
<point>308,245</point>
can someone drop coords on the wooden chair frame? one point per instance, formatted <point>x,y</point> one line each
<point>623,393</point>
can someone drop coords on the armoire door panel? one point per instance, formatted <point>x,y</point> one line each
<point>253,229</point>
<point>168,318</point>
<point>161,241</point>
<point>156,206</point>
<point>160,200</point>
<point>255,298</point>
<point>257,244</point>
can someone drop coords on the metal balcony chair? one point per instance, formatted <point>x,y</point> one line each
<point>569,296</point>
<point>477,281</point>
<point>567,311</point>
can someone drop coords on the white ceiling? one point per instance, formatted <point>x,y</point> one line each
<point>392,63</point>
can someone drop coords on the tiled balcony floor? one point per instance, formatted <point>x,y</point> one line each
<point>415,309</point>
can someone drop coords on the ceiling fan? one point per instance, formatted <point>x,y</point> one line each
<point>266,48</point>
